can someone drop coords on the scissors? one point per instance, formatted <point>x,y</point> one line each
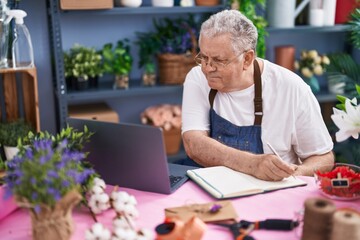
<point>243,228</point>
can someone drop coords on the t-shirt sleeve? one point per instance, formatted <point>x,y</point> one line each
<point>312,135</point>
<point>195,104</point>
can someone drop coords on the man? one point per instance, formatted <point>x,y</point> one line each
<point>235,103</point>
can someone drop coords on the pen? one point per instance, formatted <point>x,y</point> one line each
<point>275,152</point>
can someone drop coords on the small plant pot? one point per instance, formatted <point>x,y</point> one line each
<point>10,152</point>
<point>207,2</point>
<point>172,140</point>
<point>121,81</point>
<point>81,84</point>
<point>94,82</point>
<point>162,3</point>
<point>149,79</point>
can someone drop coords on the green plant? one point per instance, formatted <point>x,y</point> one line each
<point>82,62</point>
<point>11,133</point>
<point>355,28</point>
<point>117,60</point>
<point>76,139</point>
<point>148,47</point>
<point>56,162</point>
<point>249,9</point>
<point>343,68</point>
<point>177,35</point>
<point>171,35</point>
<point>43,174</point>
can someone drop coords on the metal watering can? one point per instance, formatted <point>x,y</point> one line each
<point>282,13</point>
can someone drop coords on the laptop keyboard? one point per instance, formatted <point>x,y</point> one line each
<point>175,179</point>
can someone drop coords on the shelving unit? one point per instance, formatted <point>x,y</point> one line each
<point>105,91</point>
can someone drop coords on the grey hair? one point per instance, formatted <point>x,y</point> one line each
<point>243,33</point>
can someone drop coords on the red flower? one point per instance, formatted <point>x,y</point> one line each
<point>342,172</point>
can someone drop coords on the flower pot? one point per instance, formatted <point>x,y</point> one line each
<point>53,223</point>
<point>207,2</point>
<point>162,3</point>
<point>128,3</point>
<point>172,140</point>
<point>174,67</point>
<point>10,152</point>
<point>149,79</point>
<point>81,84</point>
<point>313,83</point>
<point>93,82</point>
<point>121,81</point>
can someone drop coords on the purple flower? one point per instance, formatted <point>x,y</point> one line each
<point>34,195</point>
<point>55,193</point>
<point>52,174</point>
<point>37,208</point>
<point>65,183</point>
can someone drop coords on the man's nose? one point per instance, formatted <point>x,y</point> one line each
<point>209,66</point>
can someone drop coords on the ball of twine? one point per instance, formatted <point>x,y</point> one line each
<point>346,225</point>
<point>317,219</point>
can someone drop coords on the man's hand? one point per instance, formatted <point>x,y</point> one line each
<point>269,167</point>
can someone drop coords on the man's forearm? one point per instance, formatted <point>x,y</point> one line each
<point>310,164</point>
<point>209,152</point>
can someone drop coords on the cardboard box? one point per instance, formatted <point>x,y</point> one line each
<point>86,4</point>
<point>96,111</point>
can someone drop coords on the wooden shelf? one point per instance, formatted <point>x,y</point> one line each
<point>20,96</point>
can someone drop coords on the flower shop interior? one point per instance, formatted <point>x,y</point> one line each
<point>124,61</point>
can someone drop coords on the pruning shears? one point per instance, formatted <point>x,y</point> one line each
<point>243,228</point>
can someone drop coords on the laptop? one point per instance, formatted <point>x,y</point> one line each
<point>131,155</point>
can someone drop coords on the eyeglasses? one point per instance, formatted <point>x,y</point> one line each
<point>203,60</point>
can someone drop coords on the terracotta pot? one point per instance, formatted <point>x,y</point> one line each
<point>172,139</point>
<point>207,2</point>
<point>285,56</point>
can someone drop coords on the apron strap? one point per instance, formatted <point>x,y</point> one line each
<point>258,95</point>
<point>212,94</point>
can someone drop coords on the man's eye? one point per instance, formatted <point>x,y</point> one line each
<point>219,61</point>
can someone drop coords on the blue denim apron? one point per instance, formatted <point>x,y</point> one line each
<point>245,138</point>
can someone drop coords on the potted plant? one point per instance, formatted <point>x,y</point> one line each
<point>11,135</point>
<point>354,24</point>
<point>49,177</point>
<point>82,67</point>
<point>148,47</point>
<point>175,45</point>
<point>118,61</point>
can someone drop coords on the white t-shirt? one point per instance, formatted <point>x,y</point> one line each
<point>292,120</point>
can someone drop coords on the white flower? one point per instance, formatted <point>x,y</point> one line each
<point>348,122</point>
<point>99,203</point>
<point>318,70</point>
<point>97,232</point>
<point>124,234</point>
<point>99,182</point>
<point>306,72</point>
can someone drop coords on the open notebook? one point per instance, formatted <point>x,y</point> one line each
<point>222,182</point>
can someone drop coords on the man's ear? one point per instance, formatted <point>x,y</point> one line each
<point>249,57</point>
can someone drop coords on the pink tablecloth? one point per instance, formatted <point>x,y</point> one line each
<point>279,204</point>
